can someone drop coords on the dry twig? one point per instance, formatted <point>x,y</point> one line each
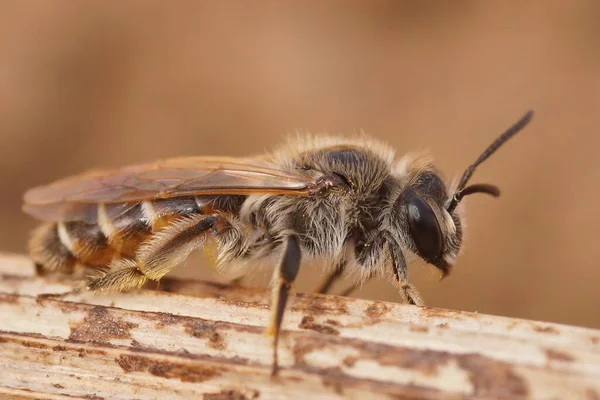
<point>201,340</point>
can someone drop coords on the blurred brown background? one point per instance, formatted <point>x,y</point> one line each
<point>86,84</point>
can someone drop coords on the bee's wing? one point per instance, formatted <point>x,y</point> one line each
<point>76,198</point>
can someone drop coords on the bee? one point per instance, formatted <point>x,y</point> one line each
<point>344,204</point>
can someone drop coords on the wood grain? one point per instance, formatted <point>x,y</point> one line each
<point>204,340</point>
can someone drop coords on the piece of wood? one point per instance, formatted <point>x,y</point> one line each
<point>203,340</point>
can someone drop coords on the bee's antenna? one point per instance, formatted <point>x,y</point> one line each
<point>461,190</point>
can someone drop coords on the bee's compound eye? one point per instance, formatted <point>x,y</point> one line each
<point>425,229</point>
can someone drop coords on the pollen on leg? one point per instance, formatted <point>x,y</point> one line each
<point>171,246</point>
<point>122,276</point>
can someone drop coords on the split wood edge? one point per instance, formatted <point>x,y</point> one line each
<point>198,338</point>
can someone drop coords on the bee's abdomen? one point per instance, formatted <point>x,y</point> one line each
<point>48,251</point>
<point>117,233</point>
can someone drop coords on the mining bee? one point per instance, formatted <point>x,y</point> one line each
<point>343,204</point>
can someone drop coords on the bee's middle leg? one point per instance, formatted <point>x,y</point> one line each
<point>158,255</point>
<point>283,278</point>
<point>332,278</point>
<point>348,291</point>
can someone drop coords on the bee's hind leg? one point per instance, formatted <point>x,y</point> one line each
<point>158,255</point>
<point>283,278</point>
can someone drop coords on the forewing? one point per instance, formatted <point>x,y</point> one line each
<point>76,198</point>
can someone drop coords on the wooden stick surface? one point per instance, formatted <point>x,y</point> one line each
<point>203,340</point>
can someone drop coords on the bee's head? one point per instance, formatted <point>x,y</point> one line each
<point>427,212</point>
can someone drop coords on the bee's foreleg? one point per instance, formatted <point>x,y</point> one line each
<point>332,277</point>
<point>409,293</point>
<point>283,278</point>
<point>157,256</point>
